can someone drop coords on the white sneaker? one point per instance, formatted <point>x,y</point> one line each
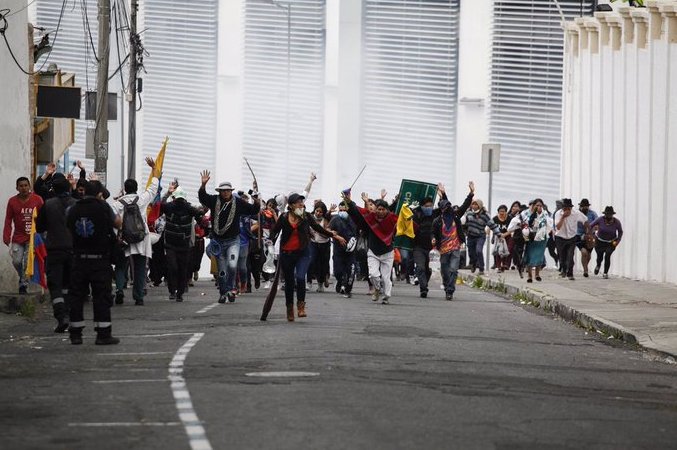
<point>266,285</point>
<point>385,301</point>
<point>320,288</point>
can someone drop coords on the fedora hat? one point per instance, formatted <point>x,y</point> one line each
<point>567,203</point>
<point>584,202</point>
<point>225,186</point>
<point>609,210</point>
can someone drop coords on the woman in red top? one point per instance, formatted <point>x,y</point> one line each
<point>295,227</point>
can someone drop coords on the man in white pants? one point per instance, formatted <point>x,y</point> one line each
<point>380,226</point>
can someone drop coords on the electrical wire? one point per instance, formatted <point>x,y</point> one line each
<point>88,30</point>
<point>17,12</point>
<point>3,29</point>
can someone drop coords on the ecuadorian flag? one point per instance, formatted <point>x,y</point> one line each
<point>154,207</point>
<point>37,253</point>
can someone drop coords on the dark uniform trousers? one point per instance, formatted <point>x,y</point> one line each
<point>177,269</point>
<point>95,272</point>
<point>58,271</point>
<point>344,270</point>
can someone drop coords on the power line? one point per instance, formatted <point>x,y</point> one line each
<point>3,29</point>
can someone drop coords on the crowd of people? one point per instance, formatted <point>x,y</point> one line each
<point>93,240</point>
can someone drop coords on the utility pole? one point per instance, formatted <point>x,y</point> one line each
<point>101,130</point>
<point>131,95</point>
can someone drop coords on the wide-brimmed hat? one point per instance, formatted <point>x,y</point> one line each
<point>609,210</point>
<point>179,193</point>
<point>567,203</point>
<point>225,186</point>
<point>584,202</point>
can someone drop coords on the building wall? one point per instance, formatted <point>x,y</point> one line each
<point>15,160</point>
<point>620,129</point>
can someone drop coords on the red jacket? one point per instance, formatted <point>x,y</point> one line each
<point>20,214</point>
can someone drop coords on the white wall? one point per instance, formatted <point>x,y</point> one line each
<point>15,127</point>
<point>620,139</point>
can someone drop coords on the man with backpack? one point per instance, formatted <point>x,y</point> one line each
<point>135,237</point>
<point>51,220</point>
<point>179,215</point>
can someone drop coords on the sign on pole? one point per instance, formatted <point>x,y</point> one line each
<point>412,191</point>
<point>491,157</point>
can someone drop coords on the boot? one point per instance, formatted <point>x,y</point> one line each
<point>290,313</point>
<point>302,309</point>
<point>75,335</point>
<point>104,336</point>
<point>62,325</point>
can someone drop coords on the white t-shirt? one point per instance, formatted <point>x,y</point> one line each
<point>570,225</point>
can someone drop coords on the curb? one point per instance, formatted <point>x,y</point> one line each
<point>549,303</point>
<point>15,303</point>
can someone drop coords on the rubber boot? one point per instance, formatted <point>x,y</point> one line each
<point>61,315</point>
<point>104,336</point>
<point>302,309</point>
<point>75,335</point>
<point>290,313</point>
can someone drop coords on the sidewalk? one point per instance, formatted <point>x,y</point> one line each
<point>639,312</point>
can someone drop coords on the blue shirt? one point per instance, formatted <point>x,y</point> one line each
<point>592,216</point>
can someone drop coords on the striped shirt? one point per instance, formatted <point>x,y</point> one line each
<point>478,221</point>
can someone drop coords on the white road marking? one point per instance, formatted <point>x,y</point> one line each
<point>124,424</point>
<point>282,374</point>
<point>149,380</point>
<point>197,438</point>
<point>207,308</point>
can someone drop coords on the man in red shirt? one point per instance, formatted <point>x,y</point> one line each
<point>20,214</point>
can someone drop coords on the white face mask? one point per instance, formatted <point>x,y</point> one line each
<point>299,211</point>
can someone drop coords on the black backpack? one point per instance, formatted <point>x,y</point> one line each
<point>133,227</point>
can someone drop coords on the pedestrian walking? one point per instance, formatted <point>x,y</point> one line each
<point>91,223</point>
<point>179,216</point>
<point>566,235</point>
<point>132,207</point>
<point>51,221</point>
<point>344,256</point>
<point>448,238</point>
<point>380,226</point>
<point>609,234</point>
<point>17,231</point>
<point>226,210</point>
<point>293,228</point>
<point>586,242</point>
<point>536,230</point>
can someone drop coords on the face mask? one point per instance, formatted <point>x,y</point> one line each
<point>299,211</point>
<point>319,219</point>
<point>427,210</point>
<point>343,214</point>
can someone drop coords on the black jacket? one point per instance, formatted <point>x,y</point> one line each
<point>243,208</point>
<point>424,230</point>
<point>283,226</point>
<point>51,220</point>
<point>437,223</point>
<point>179,216</point>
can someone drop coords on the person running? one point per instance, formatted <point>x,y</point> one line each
<point>51,221</point>
<point>226,210</point>
<point>477,221</point>
<point>246,237</point>
<point>566,224</point>
<point>179,215</point>
<point>423,227</point>
<point>137,252</point>
<point>320,249</point>
<point>586,242</point>
<point>17,232</point>
<point>502,221</point>
<point>448,238</point>
<point>380,226</point>
<point>609,235</point>
<point>344,256</point>
<point>536,228</point>
<point>293,228</point>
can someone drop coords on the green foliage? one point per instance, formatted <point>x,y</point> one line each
<point>500,286</point>
<point>639,3</point>
<point>478,282</point>
<point>27,310</point>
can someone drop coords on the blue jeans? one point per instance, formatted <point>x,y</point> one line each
<point>450,262</point>
<point>139,271</point>
<point>242,264</point>
<point>476,251</point>
<point>295,267</point>
<point>19,253</point>
<point>227,264</point>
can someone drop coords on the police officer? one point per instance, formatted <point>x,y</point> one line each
<point>179,215</point>
<point>91,222</point>
<point>51,220</point>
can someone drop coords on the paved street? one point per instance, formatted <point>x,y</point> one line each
<point>478,372</point>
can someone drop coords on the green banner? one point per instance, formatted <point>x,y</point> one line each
<point>412,191</point>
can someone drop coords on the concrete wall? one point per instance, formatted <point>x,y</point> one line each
<point>15,127</point>
<point>620,129</point>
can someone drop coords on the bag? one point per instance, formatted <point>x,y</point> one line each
<point>397,256</point>
<point>269,265</point>
<point>133,227</point>
<point>362,245</point>
<point>501,248</point>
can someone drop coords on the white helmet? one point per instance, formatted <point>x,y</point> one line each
<point>351,244</point>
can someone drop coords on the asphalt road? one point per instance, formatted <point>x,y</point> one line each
<point>478,372</point>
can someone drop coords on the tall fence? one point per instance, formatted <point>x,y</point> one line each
<point>620,129</point>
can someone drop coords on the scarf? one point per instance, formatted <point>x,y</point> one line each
<point>384,229</point>
<point>231,215</point>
